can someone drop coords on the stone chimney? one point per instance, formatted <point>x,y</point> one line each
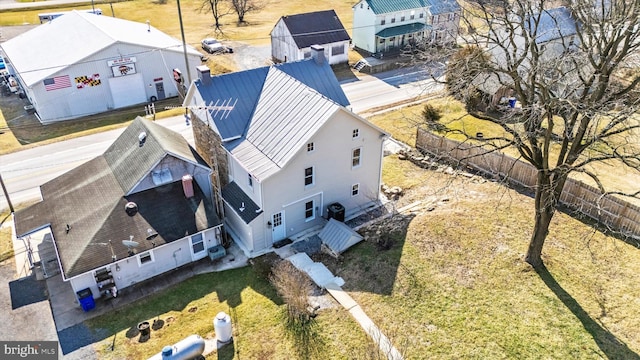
<point>204,74</point>
<point>317,54</point>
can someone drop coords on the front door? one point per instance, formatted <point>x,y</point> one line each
<point>160,90</point>
<point>277,229</point>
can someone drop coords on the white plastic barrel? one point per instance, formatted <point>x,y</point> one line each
<point>222,327</point>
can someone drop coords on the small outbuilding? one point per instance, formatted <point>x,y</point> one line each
<point>81,64</point>
<point>293,36</point>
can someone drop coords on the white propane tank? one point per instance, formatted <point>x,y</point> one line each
<point>187,348</point>
<point>222,327</point>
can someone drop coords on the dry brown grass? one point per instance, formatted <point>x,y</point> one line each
<point>457,282</point>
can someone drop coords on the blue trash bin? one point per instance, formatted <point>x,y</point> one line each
<point>85,298</point>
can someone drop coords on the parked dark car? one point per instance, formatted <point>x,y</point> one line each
<point>213,46</point>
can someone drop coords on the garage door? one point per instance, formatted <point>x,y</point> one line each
<point>127,90</point>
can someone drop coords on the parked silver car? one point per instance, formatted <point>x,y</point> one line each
<point>213,46</point>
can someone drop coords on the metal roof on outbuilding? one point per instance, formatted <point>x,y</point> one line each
<point>75,36</point>
<point>320,27</point>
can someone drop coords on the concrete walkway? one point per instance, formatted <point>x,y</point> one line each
<point>323,277</point>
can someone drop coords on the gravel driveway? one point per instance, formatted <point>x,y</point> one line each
<point>251,57</point>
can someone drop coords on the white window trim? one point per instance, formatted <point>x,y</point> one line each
<point>313,177</point>
<point>153,259</point>
<point>359,157</point>
<point>357,136</point>
<point>313,211</point>
<point>202,240</point>
<point>357,185</point>
<point>313,146</point>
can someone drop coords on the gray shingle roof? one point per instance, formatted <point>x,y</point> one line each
<point>130,162</point>
<point>389,6</point>
<point>91,200</point>
<point>320,27</point>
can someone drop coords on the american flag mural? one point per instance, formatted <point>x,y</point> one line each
<point>58,82</point>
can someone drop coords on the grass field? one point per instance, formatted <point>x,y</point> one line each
<point>190,307</point>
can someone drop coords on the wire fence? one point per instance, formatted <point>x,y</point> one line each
<point>613,212</point>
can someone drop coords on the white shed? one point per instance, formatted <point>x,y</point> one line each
<point>293,36</point>
<point>81,64</point>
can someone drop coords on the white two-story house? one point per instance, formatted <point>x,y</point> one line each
<point>384,26</point>
<point>286,149</point>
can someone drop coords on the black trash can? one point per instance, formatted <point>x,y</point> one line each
<point>85,298</point>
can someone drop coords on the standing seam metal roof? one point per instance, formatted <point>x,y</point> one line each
<point>243,89</point>
<point>287,115</point>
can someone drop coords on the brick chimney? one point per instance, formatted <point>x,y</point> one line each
<point>204,74</point>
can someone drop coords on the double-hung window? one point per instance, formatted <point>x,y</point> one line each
<point>308,176</point>
<point>356,156</point>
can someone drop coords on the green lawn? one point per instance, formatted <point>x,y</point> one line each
<point>190,307</point>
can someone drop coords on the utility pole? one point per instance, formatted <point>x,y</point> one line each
<point>6,194</point>
<point>184,47</point>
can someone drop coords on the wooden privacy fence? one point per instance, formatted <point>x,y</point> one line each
<point>615,213</point>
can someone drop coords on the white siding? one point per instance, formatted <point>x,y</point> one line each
<point>241,177</point>
<point>364,27</point>
<point>128,271</point>
<point>283,47</point>
<point>333,173</point>
<point>74,102</point>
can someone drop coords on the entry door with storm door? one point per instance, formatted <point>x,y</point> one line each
<point>278,231</point>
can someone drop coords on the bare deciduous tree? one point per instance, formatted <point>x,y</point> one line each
<point>242,7</point>
<point>218,9</point>
<point>573,70</point>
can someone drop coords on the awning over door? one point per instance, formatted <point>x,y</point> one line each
<point>403,30</point>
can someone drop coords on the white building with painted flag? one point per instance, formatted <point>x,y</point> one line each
<point>81,64</point>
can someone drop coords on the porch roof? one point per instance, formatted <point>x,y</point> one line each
<point>403,30</point>
<point>240,202</point>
